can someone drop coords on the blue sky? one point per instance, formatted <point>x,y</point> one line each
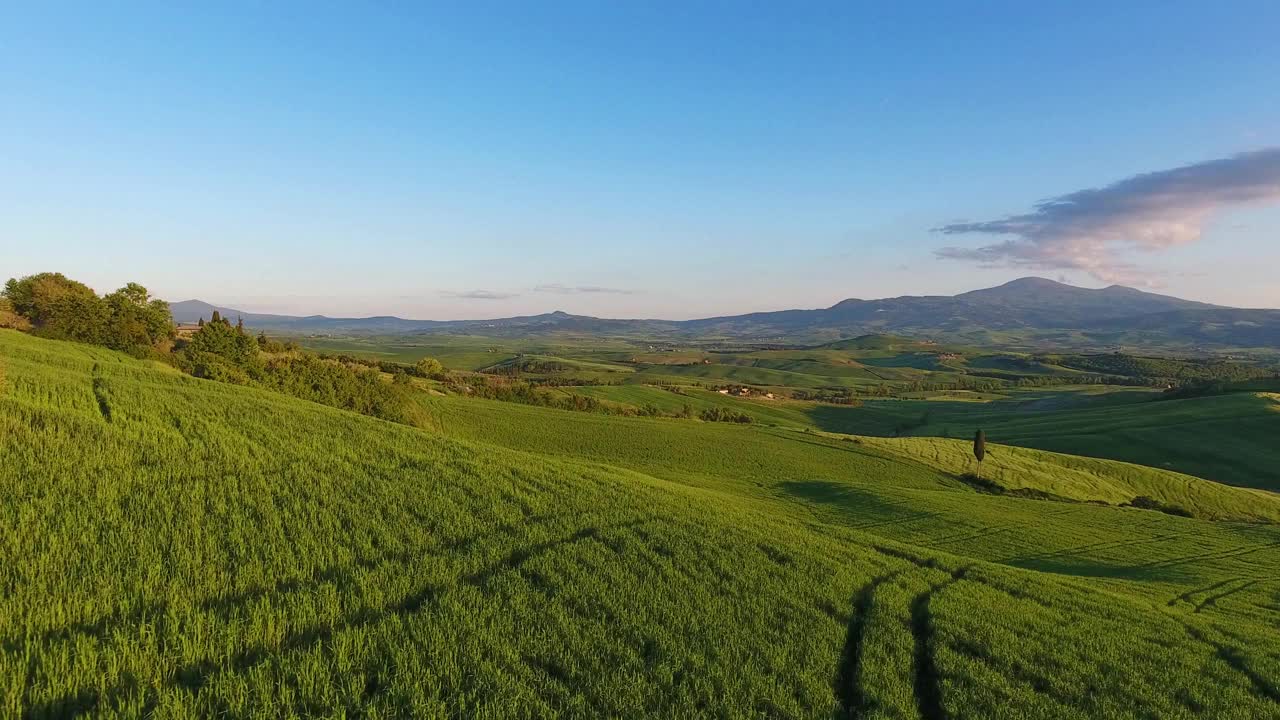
<point>637,159</point>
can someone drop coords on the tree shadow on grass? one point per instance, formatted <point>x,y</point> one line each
<point>1094,568</point>
<point>851,419</point>
<point>855,504</point>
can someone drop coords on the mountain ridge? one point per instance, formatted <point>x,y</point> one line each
<point>1024,307</point>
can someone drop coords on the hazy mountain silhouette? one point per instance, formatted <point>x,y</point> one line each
<point>1023,308</point>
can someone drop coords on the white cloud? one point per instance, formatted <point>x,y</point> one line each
<point>559,289</point>
<point>479,294</point>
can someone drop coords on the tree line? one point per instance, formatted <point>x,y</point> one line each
<point>54,306</point>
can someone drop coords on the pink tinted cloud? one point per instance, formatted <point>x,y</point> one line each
<point>1098,230</point>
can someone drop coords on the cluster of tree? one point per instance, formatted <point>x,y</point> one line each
<point>54,306</point>
<point>1055,380</point>
<point>331,383</point>
<point>1220,387</point>
<point>721,414</point>
<point>506,389</point>
<point>427,367</point>
<point>129,319</point>
<point>220,351</point>
<point>272,346</point>
<point>836,396</point>
<point>535,366</point>
<point>960,383</point>
<point>1164,371</point>
<point>227,353</point>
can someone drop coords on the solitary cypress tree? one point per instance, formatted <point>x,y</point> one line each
<point>217,317</point>
<point>979,448</point>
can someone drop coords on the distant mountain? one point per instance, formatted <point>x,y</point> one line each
<point>190,311</point>
<point>1020,312</point>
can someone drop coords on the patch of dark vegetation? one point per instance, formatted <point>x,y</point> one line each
<point>991,487</point>
<point>776,555</point>
<point>1194,376</point>
<point>1144,502</point>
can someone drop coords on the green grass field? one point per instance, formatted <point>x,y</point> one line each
<point>1226,438</point>
<point>1222,438</point>
<point>172,547</point>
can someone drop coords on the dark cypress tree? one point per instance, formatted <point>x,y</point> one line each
<point>217,317</point>
<point>201,323</point>
<point>979,448</point>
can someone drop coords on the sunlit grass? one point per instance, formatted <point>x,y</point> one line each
<point>174,547</point>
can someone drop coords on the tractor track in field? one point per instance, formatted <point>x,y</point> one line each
<point>1094,547</point>
<point>1186,597</point>
<point>196,675</point>
<point>1224,555</point>
<point>983,534</point>
<point>927,681</point>
<point>1262,686</point>
<point>850,696</point>
<point>100,393</point>
<point>1212,601</point>
<point>516,559</point>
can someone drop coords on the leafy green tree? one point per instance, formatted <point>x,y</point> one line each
<point>218,337</point>
<point>137,320</point>
<point>59,307</point>
<point>429,367</point>
<point>11,319</point>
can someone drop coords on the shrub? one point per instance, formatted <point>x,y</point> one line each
<point>719,414</point>
<point>10,319</point>
<point>1145,502</point>
<point>429,367</point>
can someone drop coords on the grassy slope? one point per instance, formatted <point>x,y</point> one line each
<point>903,494</point>
<point>1221,438</point>
<point>185,548</point>
<point>1086,479</point>
<point>1227,438</point>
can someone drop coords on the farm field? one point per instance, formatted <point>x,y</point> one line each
<point>1226,438</point>
<point>1222,437</point>
<point>1216,437</point>
<point>178,547</point>
<point>623,361</point>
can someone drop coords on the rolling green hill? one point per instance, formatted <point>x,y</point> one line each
<point>1225,438</point>
<point>175,547</point>
<point>1083,479</point>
